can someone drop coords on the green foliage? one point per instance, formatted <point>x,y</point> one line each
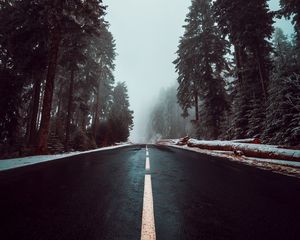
<point>215,106</point>
<point>103,134</point>
<point>10,100</point>
<point>120,120</point>
<point>201,66</point>
<point>263,97</point>
<point>82,142</point>
<point>283,113</point>
<point>248,26</point>
<point>291,9</point>
<point>282,124</point>
<point>85,50</point>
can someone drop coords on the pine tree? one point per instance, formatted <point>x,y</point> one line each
<point>283,113</point>
<point>187,62</point>
<point>86,16</point>
<point>214,109</point>
<point>282,124</point>
<point>10,100</point>
<point>73,45</point>
<point>86,65</point>
<point>200,65</point>
<point>54,12</point>
<point>24,39</point>
<point>48,49</point>
<point>248,24</point>
<point>120,119</point>
<point>103,52</point>
<point>291,8</point>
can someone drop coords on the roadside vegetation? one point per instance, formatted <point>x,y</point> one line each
<point>57,89</point>
<point>238,77</point>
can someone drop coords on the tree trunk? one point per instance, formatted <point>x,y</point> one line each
<point>4,61</point>
<point>262,73</point>
<point>35,111</point>
<point>196,107</point>
<point>55,37</point>
<point>41,101</point>
<point>237,51</point>
<point>83,121</point>
<point>58,119</point>
<point>70,103</point>
<point>97,113</point>
<point>59,101</point>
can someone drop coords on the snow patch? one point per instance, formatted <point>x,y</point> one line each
<point>270,150</point>
<point>290,168</point>
<point>6,164</point>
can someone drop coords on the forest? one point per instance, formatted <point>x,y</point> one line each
<point>57,88</point>
<point>238,76</point>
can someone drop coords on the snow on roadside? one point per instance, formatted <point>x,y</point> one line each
<point>6,164</point>
<point>269,150</point>
<point>275,161</point>
<point>290,168</point>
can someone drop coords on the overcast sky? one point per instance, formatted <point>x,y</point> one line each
<point>147,34</point>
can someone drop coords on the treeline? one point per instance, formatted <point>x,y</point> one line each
<point>238,74</point>
<point>57,90</point>
<point>165,120</point>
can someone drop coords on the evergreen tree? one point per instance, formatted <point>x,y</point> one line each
<point>56,63</point>
<point>54,13</point>
<point>84,16</point>
<point>120,118</point>
<point>103,52</point>
<point>10,100</point>
<point>72,56</point>
<point>23,43</point>
<point>291,8</point>
<point>248,24</point>
<point>201,65</point>
<point>283,112</point>
<point>90,59</point>
<point>284,55</point>
<point>215,106</point>
<point>282,125</point>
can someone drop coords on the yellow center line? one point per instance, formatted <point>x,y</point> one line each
<point>147,163</point>
<point>148,225</point>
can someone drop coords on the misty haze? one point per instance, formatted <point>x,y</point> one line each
<point>173,119</point>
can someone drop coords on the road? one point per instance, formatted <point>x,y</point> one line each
<point>100,195</point>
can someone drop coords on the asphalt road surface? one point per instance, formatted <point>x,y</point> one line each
<point>100,195</point>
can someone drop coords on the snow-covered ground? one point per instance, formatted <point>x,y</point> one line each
<point>291,168</point>
<point>6,164</point>
<point>273,151</point>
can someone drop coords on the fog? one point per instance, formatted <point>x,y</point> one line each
<point>147,34</point>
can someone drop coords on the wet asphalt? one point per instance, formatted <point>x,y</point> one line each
<point>99,195</point>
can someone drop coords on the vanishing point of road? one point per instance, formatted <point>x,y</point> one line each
<point>147,192</point>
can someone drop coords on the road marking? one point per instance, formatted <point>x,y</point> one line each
<point>147,151</point>
<point>148,225</point>
<point>147,163</point>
